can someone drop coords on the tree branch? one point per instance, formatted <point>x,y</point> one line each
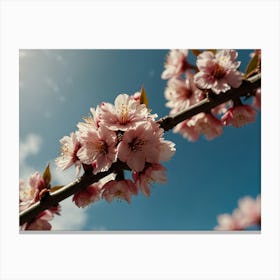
<point>167,123</point>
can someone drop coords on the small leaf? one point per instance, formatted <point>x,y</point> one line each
<point>55,188</point>
<point>196,52</point>
<point>143,97</point>
<point>212,50</point>
<point>47,176</point>
<point>253,64</point>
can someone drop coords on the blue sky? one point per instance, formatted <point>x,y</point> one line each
<point>204,179</point>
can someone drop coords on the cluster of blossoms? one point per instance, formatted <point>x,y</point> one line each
<point>215,71</point>
<point>29,193</point>
<point>248,214</point>
<point>126,132</point>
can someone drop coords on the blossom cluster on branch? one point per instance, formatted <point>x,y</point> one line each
<point>126,135</point>
<point>216,71</point>
<point>32,191</point>
<point>126,132</point>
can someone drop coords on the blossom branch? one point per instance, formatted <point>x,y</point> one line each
<point>213,100</point>
<point>52,199</point>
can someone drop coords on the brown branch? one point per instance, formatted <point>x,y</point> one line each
<point>167,123</point>
<point>211,102</point>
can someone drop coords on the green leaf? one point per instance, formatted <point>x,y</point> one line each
<point>253,64</point>
<point>47,176</point>
<point>55,188</point>
<point>196,52</point>
<point>143,97</point>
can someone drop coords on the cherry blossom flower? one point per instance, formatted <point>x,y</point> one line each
<point>41,222</point>
<point>177,93</point>
<point>154,173</point>
<point>37,224</point>
<point>87,196</point>
<point>120,190</point>
<point>69,148</point>
<point>125,115</point>
<point>29,194</point>
<point>98,148</point>
<point>246,215</point>
<point>218,72</point>
<point>230,222</point>
<point>92,193</point>
<point>182,93</point>
<point>175,63</point>
<point>206,124</point>
<point>137,97</point>
<point>239,116</point>
<point>251,210</point>
<point>91,122</point>
<point>166,150</point>
<point>188,131</point>
<point>144,144</point>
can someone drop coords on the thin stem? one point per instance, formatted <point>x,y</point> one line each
<point>247,87</point>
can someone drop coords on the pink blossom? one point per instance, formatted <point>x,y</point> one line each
<point>120,190</point>
<point>177,92</point>
<point>92,193</point>
<point>257,99</point>
<point>98,148</point>
<point>247,214</point>
<point>37,224</point>
<point>218,72</point>
<point>87,196</point>
<point>239,116</point>
<point>166,150</point>
<point>91,122</point>
<point>251,210</point>
<point>175,63</point>
<point>126,113</point>
<point>41,222</point>
<point>206,124</point>
<point>187,131</point>
<point>29,192</point>
<point>230,222</point>
<point>69,148</point>
<point>139,145</point>
<point>154,173</point>
<point>182,93</point>
<point>137,97</point>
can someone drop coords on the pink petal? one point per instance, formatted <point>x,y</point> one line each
<point>234,78</point>
<point>137,161</point>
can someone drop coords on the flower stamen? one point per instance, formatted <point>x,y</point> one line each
<point>136,144</point>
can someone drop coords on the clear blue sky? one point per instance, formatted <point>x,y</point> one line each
<point>205,178</point>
